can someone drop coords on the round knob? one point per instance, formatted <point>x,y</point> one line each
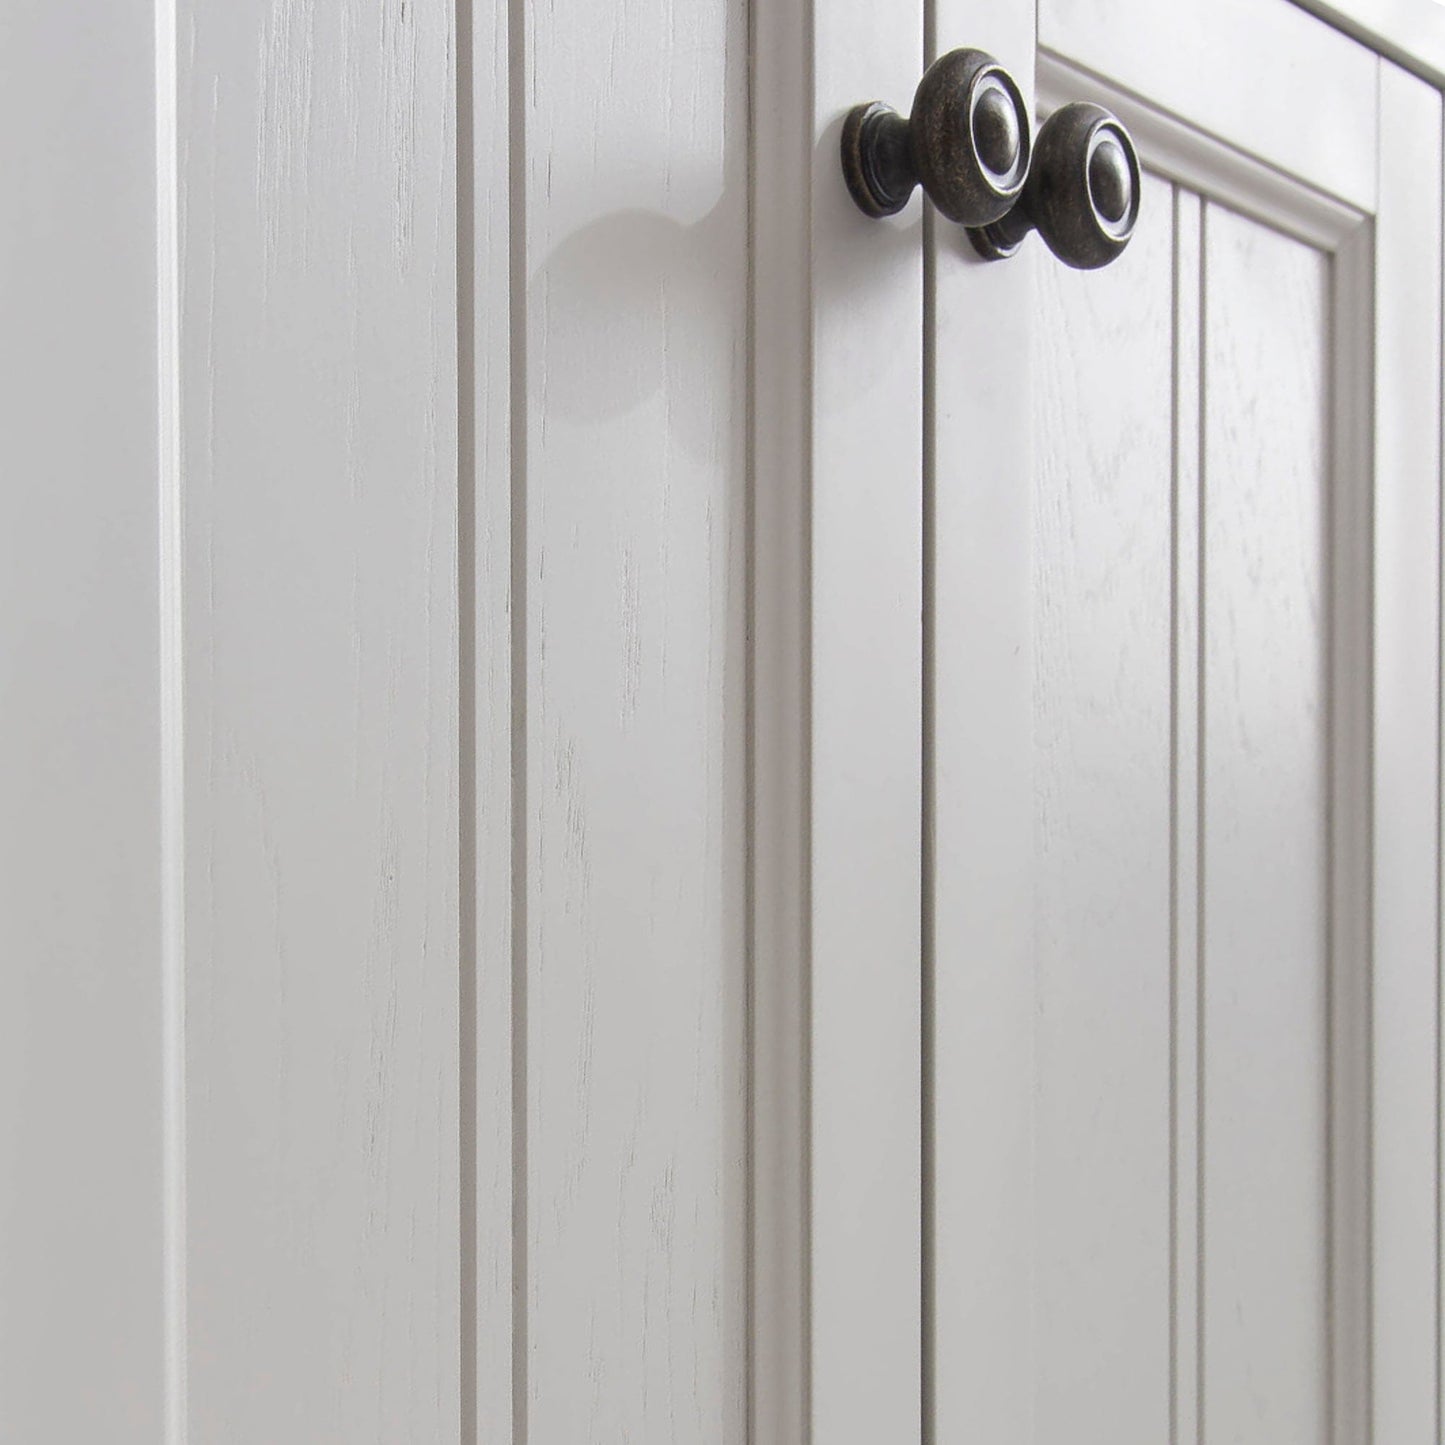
<point>1082,193</point>
<point>968,142</point>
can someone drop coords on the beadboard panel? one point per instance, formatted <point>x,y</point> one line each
<point>1192,1111</point>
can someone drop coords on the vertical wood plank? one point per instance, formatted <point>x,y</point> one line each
<point>318,401</point>
<point>866,574</point>
<point>82,1313</point>
<point>636,245</point>
<point>1103,525</point>
<point>1406,765</point>
<point>982,1364</point>
<point>1264,1105</point>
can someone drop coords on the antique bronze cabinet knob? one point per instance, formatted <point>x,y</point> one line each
<point>1082,193</point>
<point>967,141</point>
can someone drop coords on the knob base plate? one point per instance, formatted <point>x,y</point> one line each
<point>877,159</point>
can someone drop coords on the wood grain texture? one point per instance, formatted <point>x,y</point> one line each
<point>81,1203</point>
<point>1265,970</point>
<point>635,215</point>
<point>1406,733</point>
<point>865,766</point>
<point>318,386</point>
<point>1103,539</point>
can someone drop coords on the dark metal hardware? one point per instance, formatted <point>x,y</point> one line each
<point>968,142</point>
<point>1082,192</point>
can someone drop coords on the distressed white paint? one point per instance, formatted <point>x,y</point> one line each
<point>1263,1085</point>
<point>865,779</point>
<point>632,728</point>
<point>318,455</point>
<point>1103,533</point>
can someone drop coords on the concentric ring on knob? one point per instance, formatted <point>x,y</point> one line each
<point>995,128</point>
<point>1113,182</point>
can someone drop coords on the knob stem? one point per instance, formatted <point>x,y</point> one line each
<point>878,159</point>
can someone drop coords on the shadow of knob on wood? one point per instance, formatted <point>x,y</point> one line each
<point>1082,192</point>
<point>967,141</point>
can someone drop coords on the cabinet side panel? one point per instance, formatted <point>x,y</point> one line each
<point>318,404</point>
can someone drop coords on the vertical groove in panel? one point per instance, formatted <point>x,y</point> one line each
<point>172,718</point>
<point>1184,783</point>
<point>518,56</point>
<point>780,291</point>
<point>928,1220</point>
<point>487,392</point>
<point>468,877</point>
<point>1201,535</point>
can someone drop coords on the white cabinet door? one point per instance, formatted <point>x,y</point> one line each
<point>1182,658</point>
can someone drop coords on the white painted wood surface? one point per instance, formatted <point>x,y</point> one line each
<point>664,814</point>
<point>317,336</point>
<point>1405,1046</point>
<point>1409,32</point>
<point>1224,1070</point>
<point>865,779</point>
<point>631,673</point>
<point>490,273</point>
<point>981,1360</point>
<point>1263,1106</point>
<point>82,1337</point>
<point>1238,70</point>
<point>1103,536</point>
